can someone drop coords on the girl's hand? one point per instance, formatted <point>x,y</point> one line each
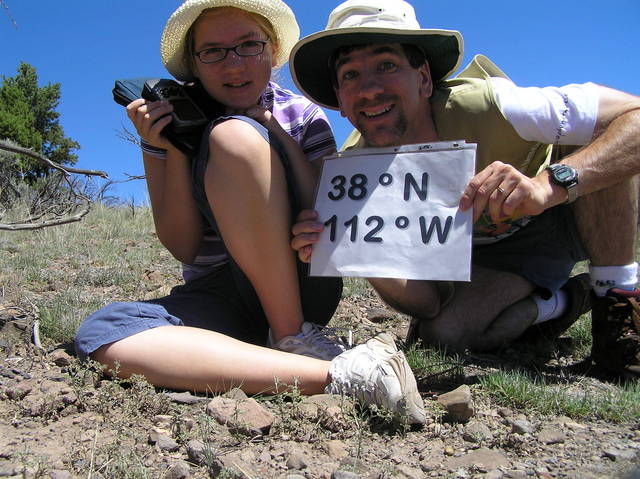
<point>149,119</point>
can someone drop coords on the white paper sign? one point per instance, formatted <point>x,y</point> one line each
<point>393,213</point>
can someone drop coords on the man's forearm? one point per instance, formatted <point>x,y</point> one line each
<point>612,157</point>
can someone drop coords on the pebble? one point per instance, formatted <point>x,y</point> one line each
<point>345,475</point>
<point>179,470</point>
<point>458,403</point>
<point>619,455</point>
<point>164,442</point>
<point>521,426</point>
<point>296,460</point>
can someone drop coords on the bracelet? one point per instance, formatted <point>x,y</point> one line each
<point>151,150</point>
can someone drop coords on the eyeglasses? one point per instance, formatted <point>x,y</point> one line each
<point>250,48</point>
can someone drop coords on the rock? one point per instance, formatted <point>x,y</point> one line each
<point>324,400</point>
<point>408,472</point>
<point>449,451</point>
<point>619,455</point>
<point>551,435</point>
<point>484,459</point>
<point>355,466</point>
<point>60,358</point>
<point>235,467</point>
<point>178,470</point>
<point>336,449</point>
<point>505,412</point>
<point>184,425</point>
<point>163,441</point>
<point>202,455</point>
<point>477,432</point>
<point>163,421</point>
<point>185,398</point>
<point>19,391</point>
<point>153,276</point>
<point>458,403</point>
<point>495,474</point>
<point>196,452</point>
<point>235,393</point>
<point>333,419</point>
<point>296,460</point>
<point>515,475</point>
<point>340,474</point>
<point>265,456</point>
<point>8,470</point>
<point>312,406</point>
<point>521,426</point>
<point>245,416</point>
<point>59,474</point>
<point>379,315</point>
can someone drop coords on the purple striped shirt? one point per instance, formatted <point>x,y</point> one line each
<point>308,125</point>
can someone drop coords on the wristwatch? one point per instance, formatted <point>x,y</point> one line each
<point>567,177</point>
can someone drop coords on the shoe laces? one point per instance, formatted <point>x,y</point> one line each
<point>324,337</point>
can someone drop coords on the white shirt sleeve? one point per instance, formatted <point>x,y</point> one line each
<point>564,115</point>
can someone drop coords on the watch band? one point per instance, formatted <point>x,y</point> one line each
<point>572,193</point>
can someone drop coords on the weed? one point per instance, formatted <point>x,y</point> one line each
<point>33,465</point>
<point>354,287</point>
<point>580,334</point>
<point>431,364</point>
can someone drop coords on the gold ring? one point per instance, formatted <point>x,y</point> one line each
<point>501,190</point>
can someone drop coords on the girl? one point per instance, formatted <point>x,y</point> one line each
<point>226,215</point>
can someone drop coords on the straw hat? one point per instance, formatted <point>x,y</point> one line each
<point>172,43</point>
<point>364,22</point>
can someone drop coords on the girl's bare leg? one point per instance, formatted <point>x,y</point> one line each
<point>247,191</point>
<point>199,360</point>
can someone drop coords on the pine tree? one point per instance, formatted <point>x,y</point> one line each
<point>28,117</point>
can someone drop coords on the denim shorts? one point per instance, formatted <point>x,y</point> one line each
<point>544,251</point>
<point>222,300</point>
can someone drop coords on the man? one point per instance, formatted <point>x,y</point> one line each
<point>389,78</point>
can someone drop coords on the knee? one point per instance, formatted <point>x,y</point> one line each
<point>236,143</point>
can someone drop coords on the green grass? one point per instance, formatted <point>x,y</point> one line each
<point>524,390</point>
<point>354,287</point>
<point>433,364</point>
<point>64,273</point>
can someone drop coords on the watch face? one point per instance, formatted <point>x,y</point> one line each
<point>564,174</point>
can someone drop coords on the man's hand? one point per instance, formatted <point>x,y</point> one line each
<point>306,231</point>
<point>505,192</point>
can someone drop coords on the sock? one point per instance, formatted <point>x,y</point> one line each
<point>603,278</point>
<point>551,308</point>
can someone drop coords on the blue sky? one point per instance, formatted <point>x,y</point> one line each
<point>86,45</point>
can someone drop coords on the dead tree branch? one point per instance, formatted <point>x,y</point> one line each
<point>4,5</point>
<point>36,156</point>
<point>56,200</point>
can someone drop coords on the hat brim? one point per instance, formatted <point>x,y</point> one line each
<point>309,59</point>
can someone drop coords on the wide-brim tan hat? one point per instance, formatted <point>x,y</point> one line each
<point>173,41</point>
<point>365,22</point>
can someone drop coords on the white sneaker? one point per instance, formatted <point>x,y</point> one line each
<point>313,340</point>
<point>377,373</point>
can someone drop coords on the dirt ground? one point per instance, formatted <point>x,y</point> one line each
<point>60,419</point>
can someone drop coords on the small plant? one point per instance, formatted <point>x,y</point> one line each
<point>33,465</point>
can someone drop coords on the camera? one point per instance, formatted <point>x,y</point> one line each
<point>187,116</point>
